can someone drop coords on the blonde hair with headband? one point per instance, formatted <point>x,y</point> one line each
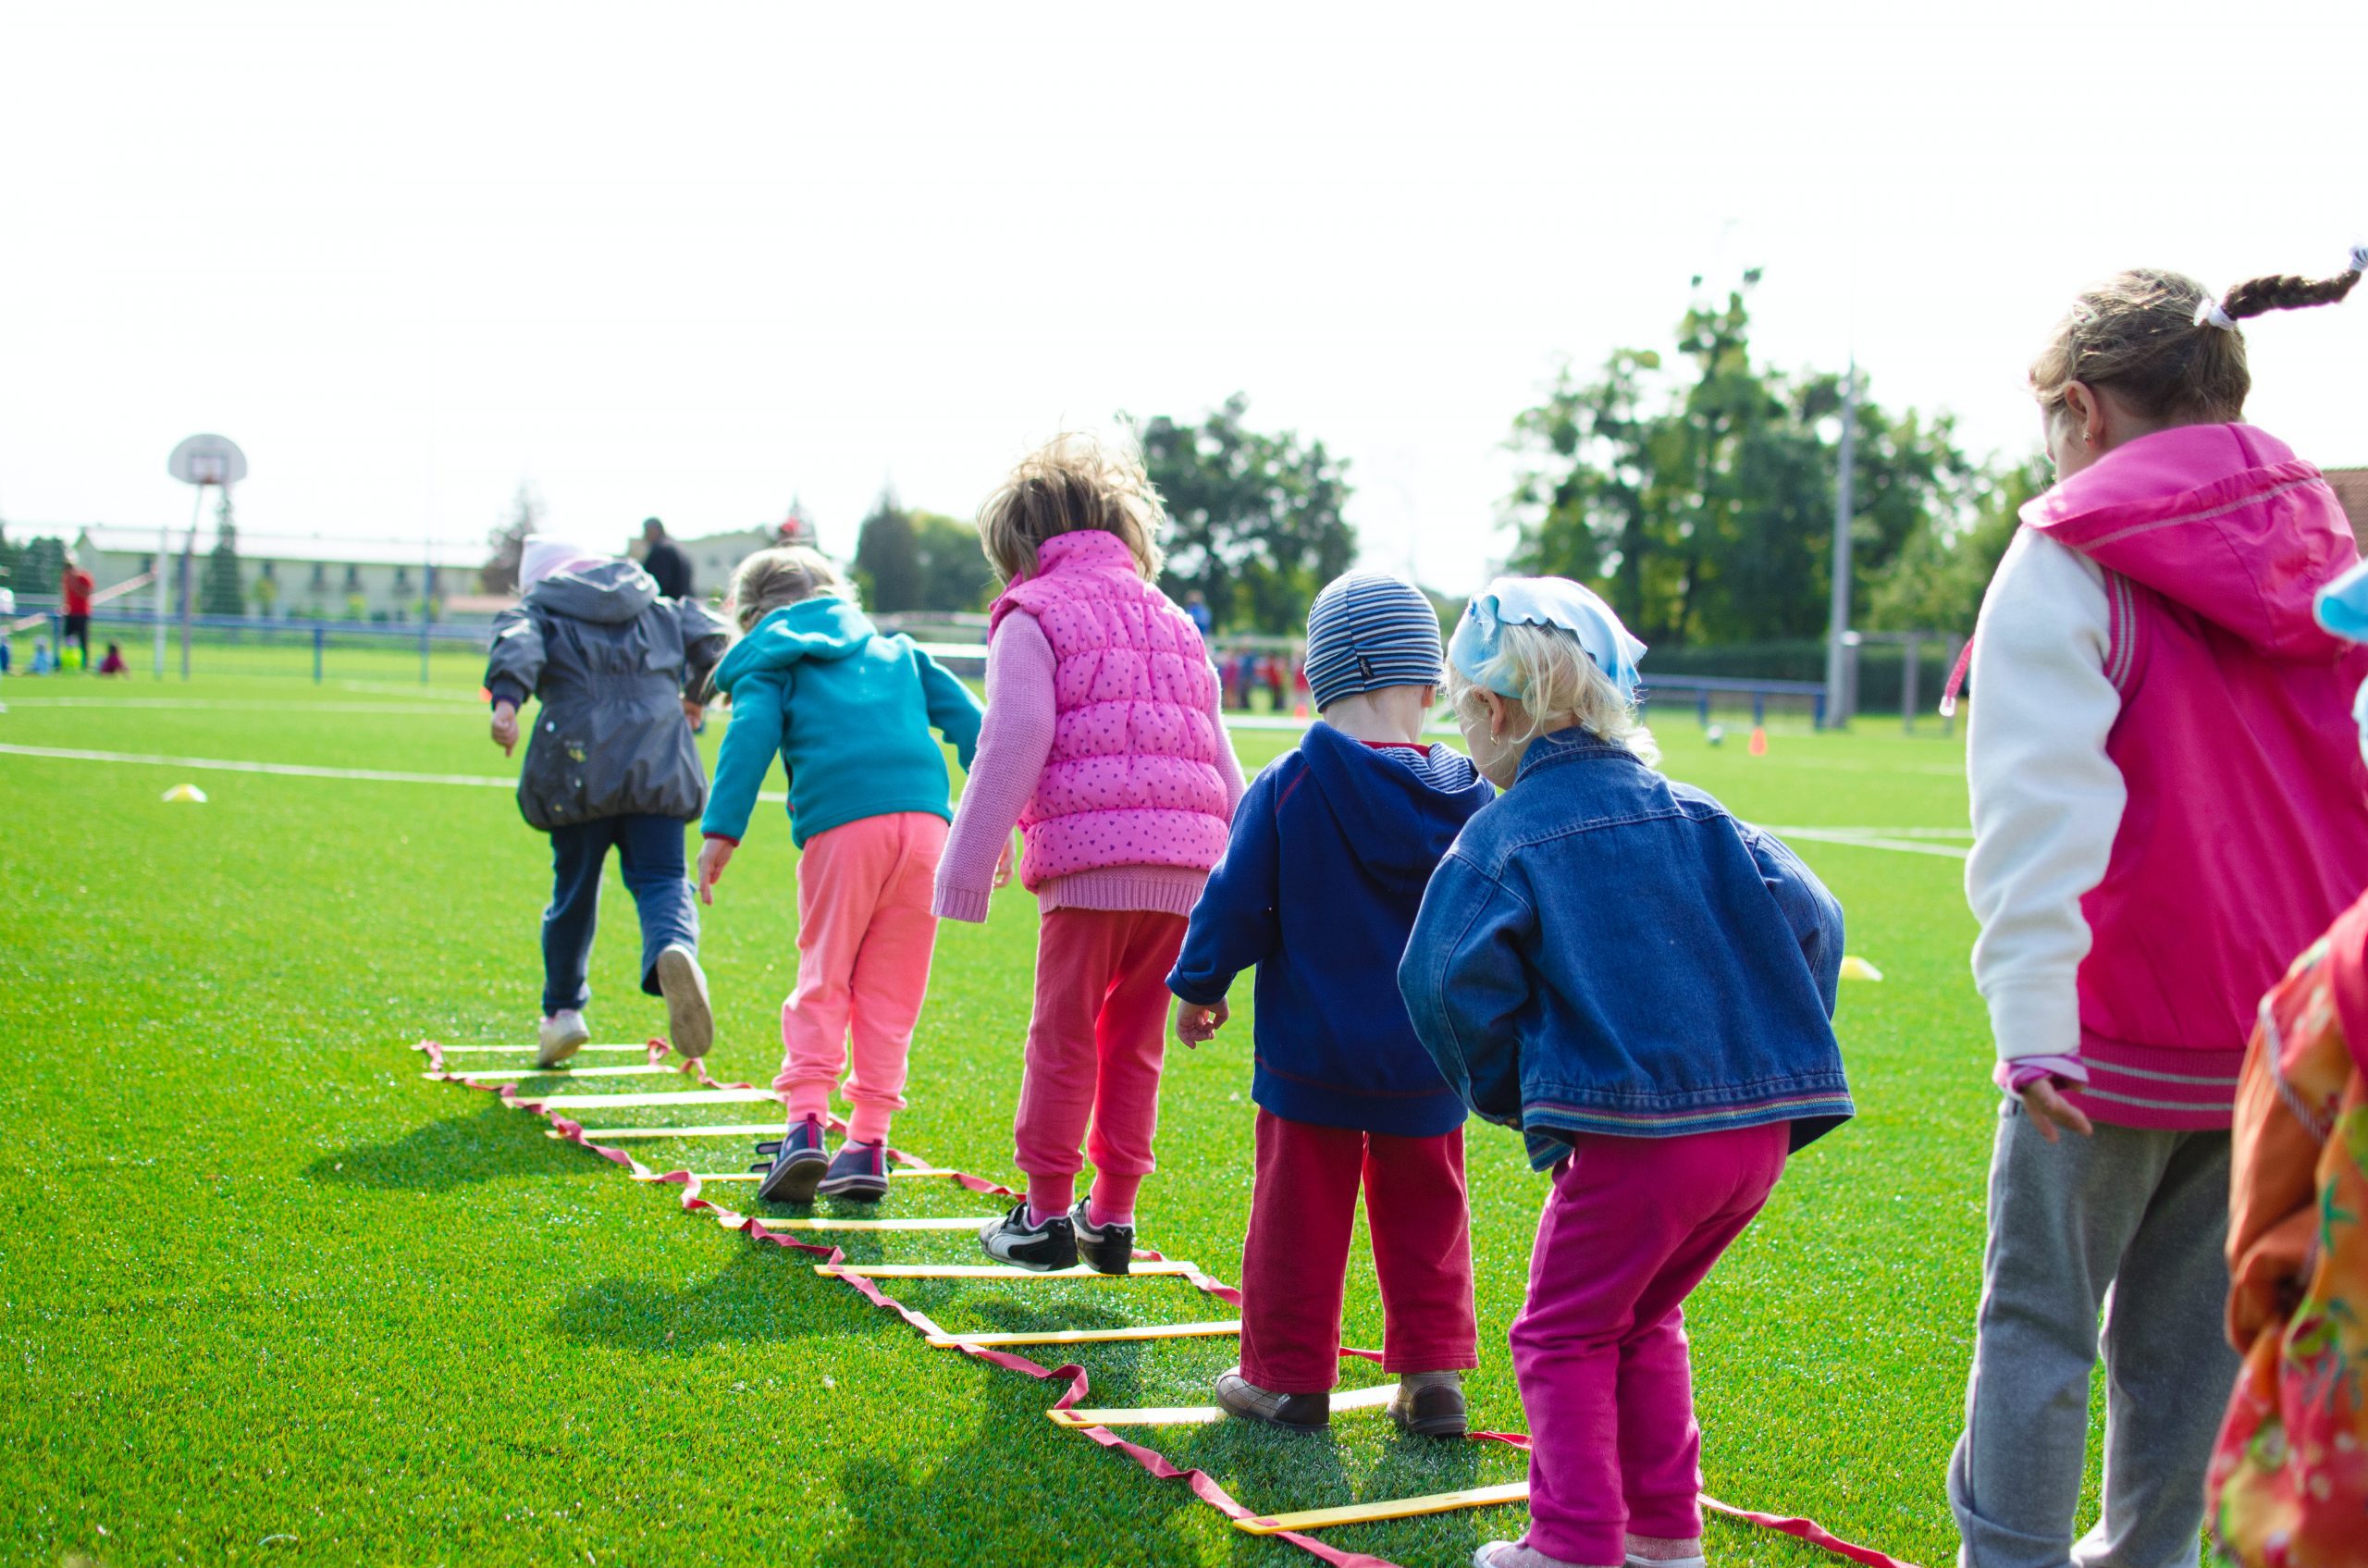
<point>1547,671</point>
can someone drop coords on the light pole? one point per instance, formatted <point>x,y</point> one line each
<point>1837,652</point>
<point>201,460</point>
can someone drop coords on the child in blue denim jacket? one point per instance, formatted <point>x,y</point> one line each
<point>1644,986</point>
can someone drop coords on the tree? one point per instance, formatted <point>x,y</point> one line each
<point>1257,524</point>
<point>499,573</point>
<point>1700,499</point>
<point>37,566</point>
<point>888,557</point>
<point>219,592</point>
<point>955,573</point>
<point>1938,580</point>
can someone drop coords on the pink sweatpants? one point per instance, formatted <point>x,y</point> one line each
<point>864,935</point>
<point>1095,1048</point>
<point>1599,1348</point>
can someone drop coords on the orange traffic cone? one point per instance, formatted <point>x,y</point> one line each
<point>1758,740</point>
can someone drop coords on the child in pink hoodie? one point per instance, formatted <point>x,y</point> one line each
<point>2165,786</point>
<point>1103,742</point>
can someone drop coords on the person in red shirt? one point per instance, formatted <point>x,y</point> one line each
<point>77,586</point>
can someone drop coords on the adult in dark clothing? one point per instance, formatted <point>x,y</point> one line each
<point>665,561</point>
<point>611,763</point>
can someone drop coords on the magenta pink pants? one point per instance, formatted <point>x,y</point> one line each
<point>1095,1048</point>
<point>864,935</point>
<point>1599,1348</point>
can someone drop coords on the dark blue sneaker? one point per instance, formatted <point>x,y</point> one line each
<point>798,1161</point>
<point>1039,1247</point>
<point>860,1172</point>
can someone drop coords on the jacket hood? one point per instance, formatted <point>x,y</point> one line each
<point>822,627</point>
<point>1401,818</point>
<point>2222,519</point>
<point>611,592</point>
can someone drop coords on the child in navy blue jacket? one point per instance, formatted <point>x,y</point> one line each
<point>1644,986</point>
<point>1330,850</point>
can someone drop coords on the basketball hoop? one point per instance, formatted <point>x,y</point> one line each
<point>207,459</point>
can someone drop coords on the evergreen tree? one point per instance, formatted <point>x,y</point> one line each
<point>218,590</point>
<point>888,557</point>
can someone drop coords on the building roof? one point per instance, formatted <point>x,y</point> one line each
<point>118,539</point>
<point>2351,487</point>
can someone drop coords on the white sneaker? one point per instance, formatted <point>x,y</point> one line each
<point>561,1033</point>
<point>690,1022</point>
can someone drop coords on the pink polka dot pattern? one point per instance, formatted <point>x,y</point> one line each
<point>1132,779</point>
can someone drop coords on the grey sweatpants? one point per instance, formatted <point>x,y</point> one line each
<point>2132,1223</point>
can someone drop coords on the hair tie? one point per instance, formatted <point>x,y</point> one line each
<point>2208,309</point>
<point>2359,259</point>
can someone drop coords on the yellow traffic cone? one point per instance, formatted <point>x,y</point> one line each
<point>1855,967</point>
<point>188,792</point>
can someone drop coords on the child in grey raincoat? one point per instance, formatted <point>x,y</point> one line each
<point>611,762</point>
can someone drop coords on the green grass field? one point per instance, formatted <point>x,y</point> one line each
<point>265,1293</point>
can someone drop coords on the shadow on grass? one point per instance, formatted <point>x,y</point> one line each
<point>765,1294</point>
<point>492,1144</point>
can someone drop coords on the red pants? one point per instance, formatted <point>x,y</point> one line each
<point>1095,1047</point>
<point>1295,1258</point>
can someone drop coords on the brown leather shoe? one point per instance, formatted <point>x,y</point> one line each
<point>1292,1412</point>
<point>1434,1410</point>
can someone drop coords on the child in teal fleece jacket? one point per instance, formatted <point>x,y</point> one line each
<point>849,711</point>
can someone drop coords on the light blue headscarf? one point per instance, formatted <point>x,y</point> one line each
<point>1543,601</point>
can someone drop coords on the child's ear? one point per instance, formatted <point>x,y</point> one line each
<point>1498,719</point>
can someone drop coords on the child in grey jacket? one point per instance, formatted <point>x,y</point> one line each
<point>611,762</point>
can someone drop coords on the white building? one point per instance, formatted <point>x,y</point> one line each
<point>284,576</point>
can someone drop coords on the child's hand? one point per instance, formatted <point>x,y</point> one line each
<point>2048,1109</point>
<point>1195,1023</point>
<point>1007,862</point>
<point>714,855</point>
<point>505,726</point>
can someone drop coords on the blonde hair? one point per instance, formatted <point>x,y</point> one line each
<point>2146,333</point>
<point>1559,685</point>
<point>1073,483</point>
<point>784,574</point>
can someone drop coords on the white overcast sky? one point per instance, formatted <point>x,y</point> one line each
<point>691,259</point>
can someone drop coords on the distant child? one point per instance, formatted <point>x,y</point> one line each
<point>1643,985</point>
<point>849,713</point>
<point>2166,808</point>
<point>1331,849</point>
<point>113,663</point>
<point>1103,740</point>
<point>44,662</point>
<point>611,765</point>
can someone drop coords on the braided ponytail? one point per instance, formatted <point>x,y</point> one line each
<point>2256,296</point>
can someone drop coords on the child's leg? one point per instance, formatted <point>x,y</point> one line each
<point>2061,1217</point>
<point>1078,951</point>
<point>579,851</point>
<point>1622,1211</point>
<point>651,851</point>
<point>839,875</point>
<point>1660,1443</point>
<point>1131,1047</point>
<point>891,978</point>
<point>1295,1254</point>
<point>2167,1363</point>
<point>1421,1249</point>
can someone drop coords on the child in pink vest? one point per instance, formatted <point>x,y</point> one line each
<point>1102,741</point>
<point>2165,788</point>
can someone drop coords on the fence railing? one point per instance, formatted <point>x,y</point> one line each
<point>429,651</point>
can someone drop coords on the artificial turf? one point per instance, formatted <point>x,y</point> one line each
<point>265,1293</point>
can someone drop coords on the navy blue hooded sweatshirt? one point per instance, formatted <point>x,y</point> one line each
<point>1332,848</point>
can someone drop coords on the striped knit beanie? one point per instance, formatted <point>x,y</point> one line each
<point>1366,631</point>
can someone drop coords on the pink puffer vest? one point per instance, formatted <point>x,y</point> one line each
<point>1132,779</point>
<point>2245,832</point>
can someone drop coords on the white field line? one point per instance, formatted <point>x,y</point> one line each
<point>234,705</point>
<point>1857,840</point>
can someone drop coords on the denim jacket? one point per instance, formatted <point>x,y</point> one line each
<point>1604,950</point>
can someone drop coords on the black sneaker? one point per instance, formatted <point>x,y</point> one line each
<point>798,1161</point>
<point>1042,1248</point>
<point>1106,1249</point>
<point>860,1171</point>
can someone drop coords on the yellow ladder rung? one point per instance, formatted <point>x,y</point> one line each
<point>621,1102</point>
<point>1374,1512</point>
<point>821,1222</point>
<point>560,1071</point>
<point>1194,1415</point>
<point>493,1050</point>
<point>743,1129</point>
<point>1170,1266</point>
<point>1093,1336</point>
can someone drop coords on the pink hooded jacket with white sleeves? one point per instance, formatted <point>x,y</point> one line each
<point>2169,797</point>
<point>1103,740</point>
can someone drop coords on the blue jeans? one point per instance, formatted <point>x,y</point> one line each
<point>650,849</point>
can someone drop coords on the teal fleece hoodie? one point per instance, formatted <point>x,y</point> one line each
<point>849,709</point>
